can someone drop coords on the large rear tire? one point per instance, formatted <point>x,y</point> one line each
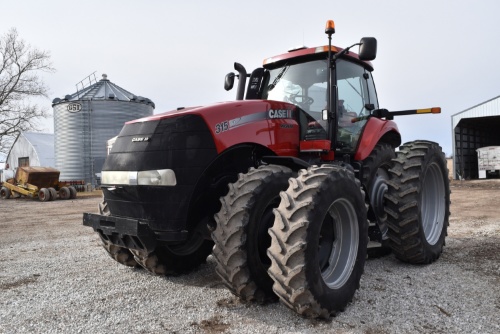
<point>241,236</point>
<point>319,240</point>
<point>119,254</point>
<point>418,202</point>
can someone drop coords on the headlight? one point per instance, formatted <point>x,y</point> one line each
<point>161,177</point>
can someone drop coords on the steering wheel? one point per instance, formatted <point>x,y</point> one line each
<point>303,100</point>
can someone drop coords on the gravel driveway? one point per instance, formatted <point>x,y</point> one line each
<point>56,278</point>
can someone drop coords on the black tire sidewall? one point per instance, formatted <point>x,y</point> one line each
<point>262,198</point>
<point>405,201</point>
<point>385,153</point>
<point>327,297</point>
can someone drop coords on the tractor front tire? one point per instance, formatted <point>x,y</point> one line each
<point>175,260</point>
<point>119,254</point>
<point>319,241</point>
<point>418,202</point>
<point>241,235</point>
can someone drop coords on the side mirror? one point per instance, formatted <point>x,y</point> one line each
<point>368,48</point>
<point>254,90</point>
<point>229,81</point>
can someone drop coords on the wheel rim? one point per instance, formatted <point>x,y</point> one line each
<point>42,195</point>
<point>433,204</point>
<point>339,242</point>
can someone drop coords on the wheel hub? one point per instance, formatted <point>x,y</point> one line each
<point>377,192</point>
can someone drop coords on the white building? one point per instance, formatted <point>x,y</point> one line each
<point>474,128</point>
<point>32,149</point>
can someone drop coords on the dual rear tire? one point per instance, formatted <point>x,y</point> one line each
<point>316,253</point>
<point>319,241</point>
<point>241,237</point>
<point>319,234</point>
<point>67,192</point>
<point>418,202</point>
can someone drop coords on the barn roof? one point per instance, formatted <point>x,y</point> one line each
<point>490,108</point>
<point>42,144</point>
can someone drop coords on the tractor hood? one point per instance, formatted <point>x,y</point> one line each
<point>273,109</point>
<point>235,122</point>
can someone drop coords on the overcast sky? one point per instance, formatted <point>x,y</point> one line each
<point>430,53</point>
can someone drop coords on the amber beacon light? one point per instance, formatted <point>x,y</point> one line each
<point>330,27</point>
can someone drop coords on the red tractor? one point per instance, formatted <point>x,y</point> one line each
<point>287,187</point>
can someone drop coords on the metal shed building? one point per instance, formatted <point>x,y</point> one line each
<point>473,128</point>
<point>32,149</point>
<point>85,120</point>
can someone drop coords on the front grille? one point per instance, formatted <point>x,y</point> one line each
<point>183,144</point>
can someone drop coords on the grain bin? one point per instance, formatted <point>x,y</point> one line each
<point>85,120</point>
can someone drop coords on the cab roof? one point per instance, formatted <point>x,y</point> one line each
<point>311,53</point>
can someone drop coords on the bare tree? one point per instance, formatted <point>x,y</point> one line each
<point>20,65</point>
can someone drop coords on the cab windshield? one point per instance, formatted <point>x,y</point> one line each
<point>305,85</point>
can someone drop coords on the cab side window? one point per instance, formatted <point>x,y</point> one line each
<point>356,93</point>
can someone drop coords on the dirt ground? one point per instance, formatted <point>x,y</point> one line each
<point>41,238</point>
<point>475,227</point>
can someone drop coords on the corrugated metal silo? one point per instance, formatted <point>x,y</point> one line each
<point>85,120</point>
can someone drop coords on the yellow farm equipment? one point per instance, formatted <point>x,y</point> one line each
<point>37,182</point>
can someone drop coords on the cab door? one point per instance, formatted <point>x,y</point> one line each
<point>356,97</point>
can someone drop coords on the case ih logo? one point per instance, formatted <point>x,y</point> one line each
<point>139,139</point>
<point>74,107</point>
<point>280,113</point>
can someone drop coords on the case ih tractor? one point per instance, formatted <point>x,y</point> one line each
<point>287,187</point>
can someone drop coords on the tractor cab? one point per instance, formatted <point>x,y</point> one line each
<point>332,89</point>
<point>305,84</point>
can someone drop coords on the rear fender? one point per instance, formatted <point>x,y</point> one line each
<point>377,130</point>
